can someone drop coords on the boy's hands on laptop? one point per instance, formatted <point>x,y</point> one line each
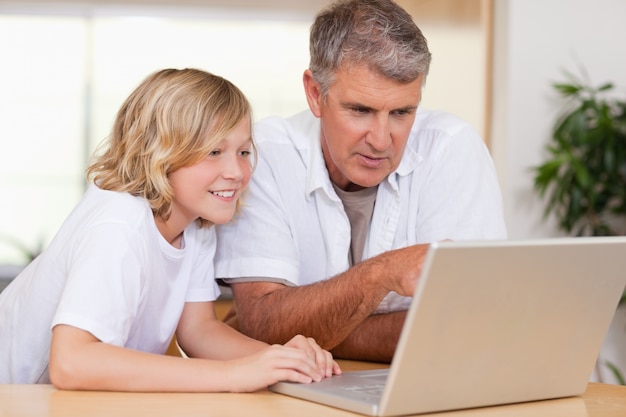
<point>323,358</point>
<point>301,360</point>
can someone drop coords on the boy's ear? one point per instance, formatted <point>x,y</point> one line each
<point>312,92</point>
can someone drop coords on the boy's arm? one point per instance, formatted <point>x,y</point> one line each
<point>201,335</point>
<point>79,361</point>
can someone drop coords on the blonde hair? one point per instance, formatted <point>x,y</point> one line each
<point>173,119</point>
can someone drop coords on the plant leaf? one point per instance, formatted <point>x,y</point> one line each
<point>617,373</point>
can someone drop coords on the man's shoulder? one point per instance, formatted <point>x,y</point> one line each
<point>436,125</point>
<point>438,120</point>
<point>294,129</point>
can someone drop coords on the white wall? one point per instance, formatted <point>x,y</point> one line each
<point>457,70</point>
<point>534,41</point>
<point>458,40</point>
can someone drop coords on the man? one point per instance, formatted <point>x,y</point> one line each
<point>347,196</point>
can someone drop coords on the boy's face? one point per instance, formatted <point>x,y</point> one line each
<point>365,124</point>
<point>210,189</point>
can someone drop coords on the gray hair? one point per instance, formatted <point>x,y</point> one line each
<point>376,33</point>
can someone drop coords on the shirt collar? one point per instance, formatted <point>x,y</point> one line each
<point>317,173</point>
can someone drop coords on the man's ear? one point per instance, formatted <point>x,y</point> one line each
<point>312,92</point>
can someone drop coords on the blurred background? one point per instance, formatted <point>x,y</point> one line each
<point>66,66</point>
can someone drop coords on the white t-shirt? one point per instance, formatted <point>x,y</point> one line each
<point>110,272</point>
<point>293,228</point>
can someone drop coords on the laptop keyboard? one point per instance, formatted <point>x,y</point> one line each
<point>370,390</point>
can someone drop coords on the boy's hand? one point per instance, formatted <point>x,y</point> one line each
<point>323,358</point>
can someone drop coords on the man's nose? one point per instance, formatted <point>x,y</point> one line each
<point>379,135</point>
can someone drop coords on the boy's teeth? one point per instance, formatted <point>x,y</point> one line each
<point>223,193</point>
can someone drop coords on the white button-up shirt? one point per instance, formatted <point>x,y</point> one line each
<point>293,228</point>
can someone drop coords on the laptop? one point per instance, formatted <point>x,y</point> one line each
<point>491,323</point>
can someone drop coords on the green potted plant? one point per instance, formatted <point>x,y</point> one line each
<point>583,180</point>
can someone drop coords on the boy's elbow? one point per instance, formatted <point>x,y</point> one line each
<point>64,375</point>
<point>70,362</point>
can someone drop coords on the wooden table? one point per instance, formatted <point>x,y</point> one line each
<point>600,400</point>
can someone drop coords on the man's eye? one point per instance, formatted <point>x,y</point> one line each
<point>403,112</point>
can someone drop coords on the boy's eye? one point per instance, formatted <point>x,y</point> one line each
<point>214,152</point>
<point>245,153</point>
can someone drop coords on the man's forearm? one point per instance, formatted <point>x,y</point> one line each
<point>375,339</point>
<point>327,311</point>
<point>332,309</point>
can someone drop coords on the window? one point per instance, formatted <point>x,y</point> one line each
<point>64,76</point>
<point>67,68</point>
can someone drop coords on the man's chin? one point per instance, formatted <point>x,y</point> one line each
<point>366,182</point>
<point>353,186</point>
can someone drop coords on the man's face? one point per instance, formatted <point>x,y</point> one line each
<point>365,123</point>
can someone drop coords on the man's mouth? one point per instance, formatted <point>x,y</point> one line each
<point>372,162</point>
